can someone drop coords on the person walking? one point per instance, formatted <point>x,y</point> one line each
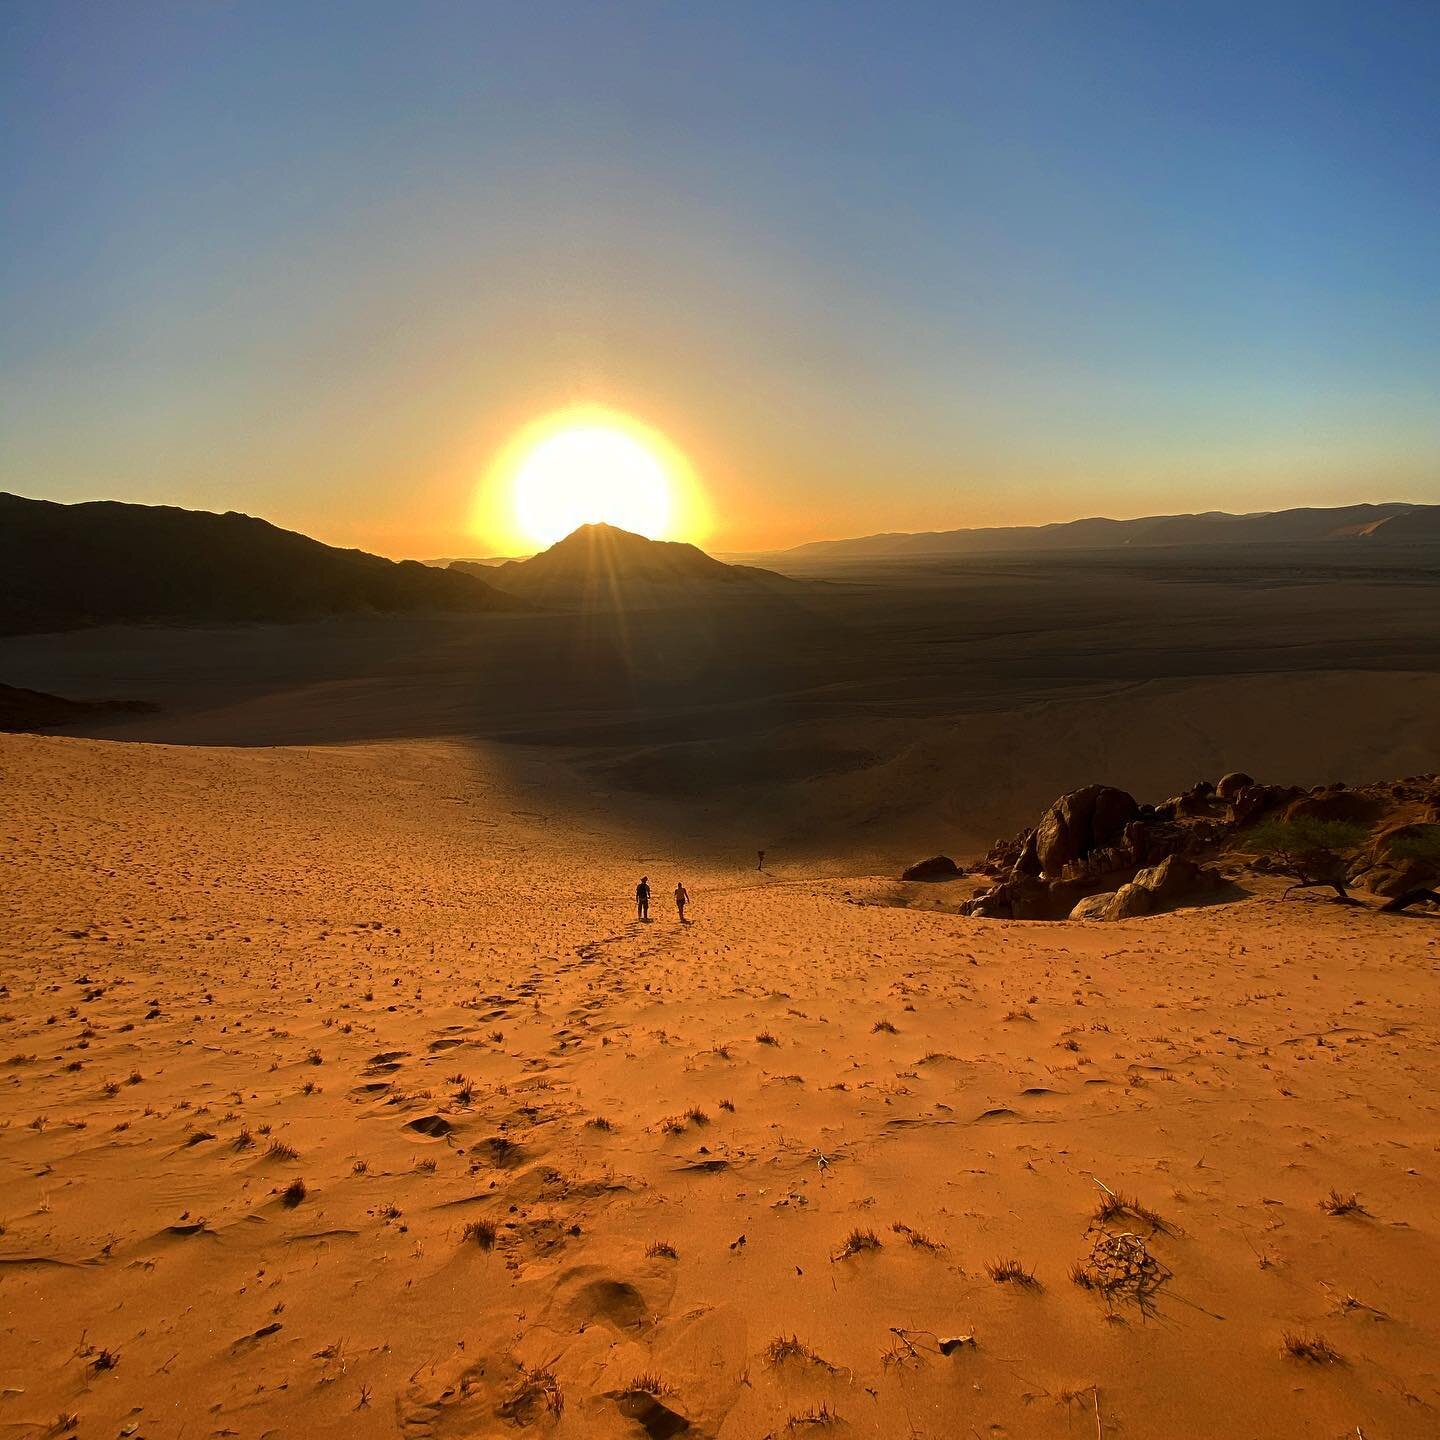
<point>759,859</point>
<point>682,899</point>
<point>642,898</point>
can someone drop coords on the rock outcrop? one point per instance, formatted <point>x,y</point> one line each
<point>1081,823</point>
<point>1173,883</point>
<point>1231,785</point>
<point>1097,854</point>
<point>937,867</point>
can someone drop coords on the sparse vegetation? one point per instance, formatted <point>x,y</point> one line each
<point>662,1249</point>
<point>790,1347</point>
<point>1117,1206</point>
<point>535,1390</point>
<point>1337,1204</point>
<point>1010,1272</point>
<point>857,1242</point>
<point>813,1416</point>
<point>293,1193</point>
<point>1120,1267</point>
<point>1314,853</point>
<point>482,1232</point>
<point>917,1238</point>
<point>1422,845</point>
<point>648,1383</point>
<point>1312,1349</point>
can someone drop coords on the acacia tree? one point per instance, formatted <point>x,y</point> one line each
<point>1316,853</point>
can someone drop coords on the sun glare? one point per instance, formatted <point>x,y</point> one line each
<point>585,466</point>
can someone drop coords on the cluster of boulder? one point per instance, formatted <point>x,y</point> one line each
<point>1096,853</point>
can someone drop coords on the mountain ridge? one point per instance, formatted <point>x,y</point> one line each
<point>66,567</point>
<point>1390,520</point>
<point>600,565</point>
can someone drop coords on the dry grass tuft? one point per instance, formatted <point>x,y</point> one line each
<point>1114,1206</point>
<point>917,1238</point>
<point>1120,1267</point>
<point>791,1347</point>
<point>534,1389</point>
<point>649,1383</point>
<point>856,1243</point>
<point>1312,1349</point>
<point>813,1416</point>
<point>279,1150</point>
<point>883,1027</point>
<point>599,1122</point>
<point>293,1193</point>
<point>1337,1204</point>
<point>1010,1272</point>
<point>482,1232</point>
<point>662,1250</point>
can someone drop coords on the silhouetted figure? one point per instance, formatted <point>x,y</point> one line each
<point>759,859</point>
<point>642,898</point>
<point>682,899</point>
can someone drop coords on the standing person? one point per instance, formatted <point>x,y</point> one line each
<point>682,899</point>
<point>759,859</point>
<point>642,898</point>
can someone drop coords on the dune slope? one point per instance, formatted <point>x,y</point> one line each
<point>341,1095</point>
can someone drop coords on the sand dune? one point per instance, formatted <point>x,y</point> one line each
<point>306,1052</point>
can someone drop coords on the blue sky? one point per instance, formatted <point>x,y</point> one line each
<point>872,266</point>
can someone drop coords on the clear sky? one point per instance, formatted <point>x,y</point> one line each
<point>869,266</point>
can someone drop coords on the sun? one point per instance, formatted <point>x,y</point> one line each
<point>584,466</point>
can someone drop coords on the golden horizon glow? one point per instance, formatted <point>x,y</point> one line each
<point>583,466</point>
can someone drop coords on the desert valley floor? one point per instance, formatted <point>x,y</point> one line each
<point>340,1094</point>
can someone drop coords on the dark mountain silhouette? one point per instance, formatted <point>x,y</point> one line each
<point>1410,522</point>
<point>102,562</point>
<point>34,710</point>
<point>601,566</point>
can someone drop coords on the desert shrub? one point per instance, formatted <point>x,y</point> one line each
<point>1422,844</point>
<point>1313,852</point>
<point>1286,838</point>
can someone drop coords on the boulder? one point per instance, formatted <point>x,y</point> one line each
<point>1232,784</point>
<point>1094,907</point>
<point>1080,822</point>
<point>1176,879</point>
<point>1174,882</point>
<point>937,867</point>
<point>1254,800</point>
<point>1027,863</point>
<point>1131,900</point>
<point>1024,898</point>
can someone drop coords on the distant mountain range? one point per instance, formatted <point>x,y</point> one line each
<point>103,562</point>
<point>35,710</point>
<point>1396,521</point>
<point>602,567</point>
